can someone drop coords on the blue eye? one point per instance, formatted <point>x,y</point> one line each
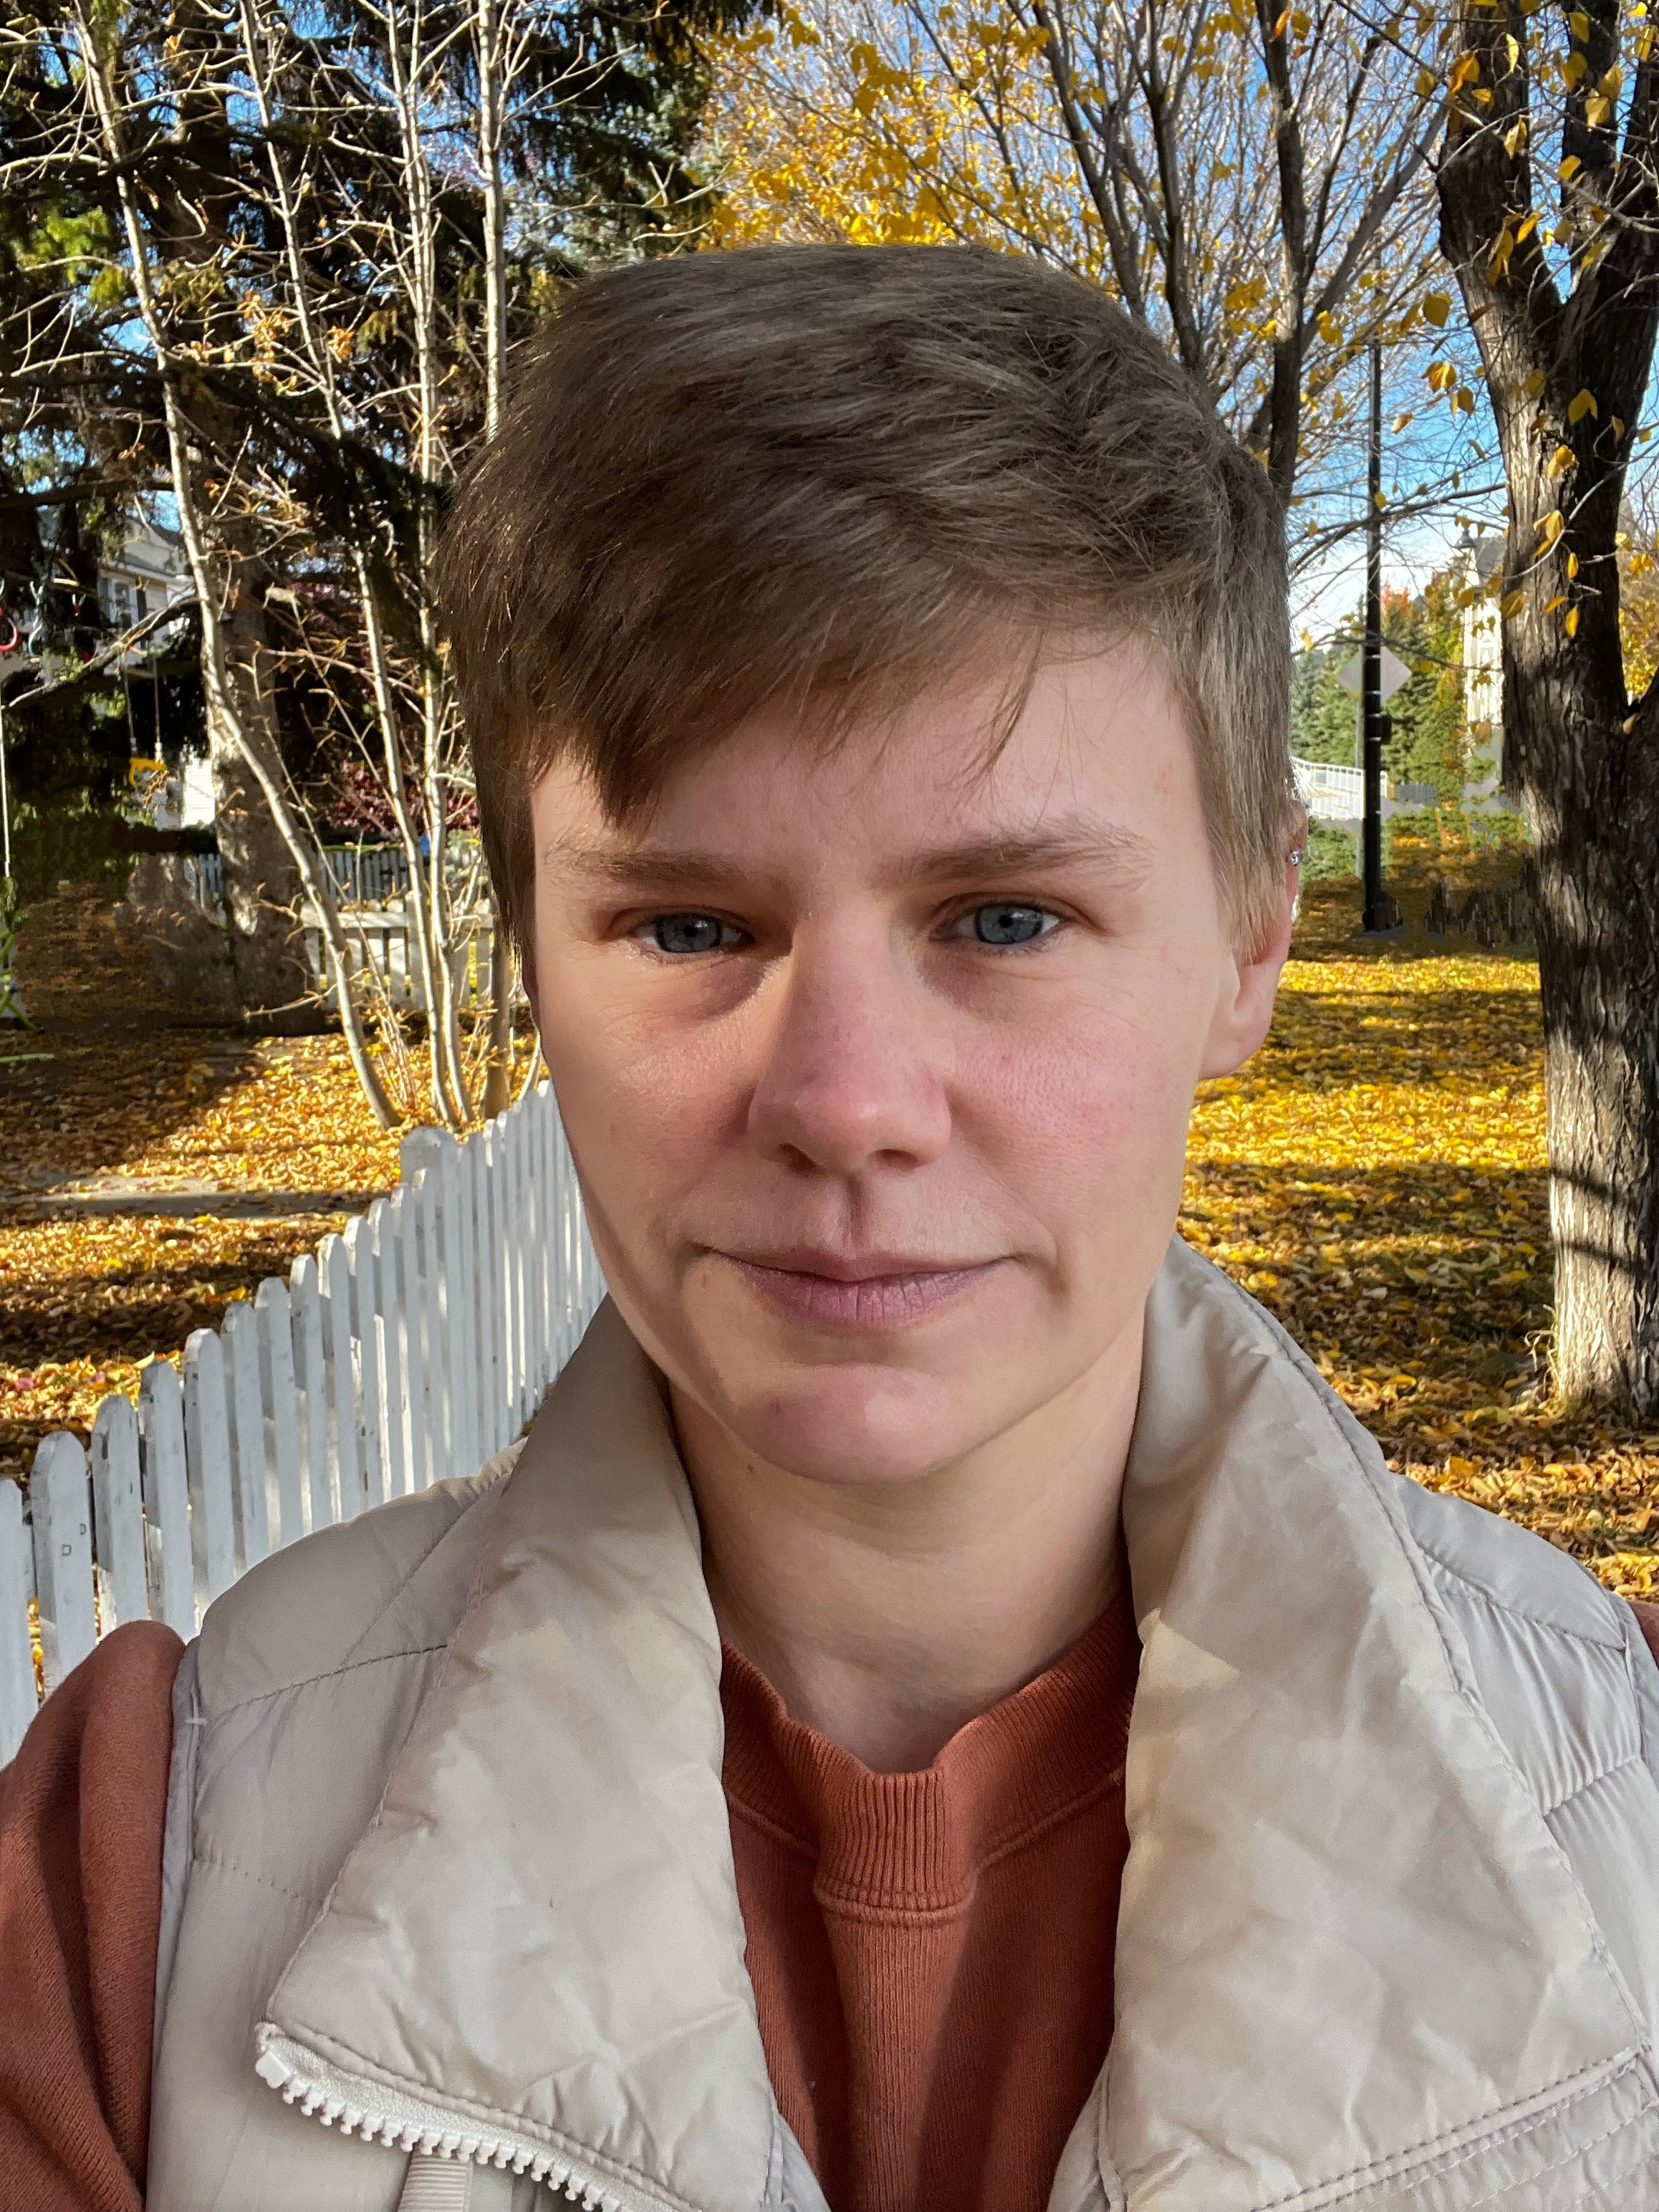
<point>1010,924</point>
<point>691,932</point>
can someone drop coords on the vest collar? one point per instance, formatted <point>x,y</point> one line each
<point>1347,1939</point>
<point>536,1949</point>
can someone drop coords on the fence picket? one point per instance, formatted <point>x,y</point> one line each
<point>305,1312</point>
<point>501,1228</point>
<point>366,1336</point>
<point>560,1289</point>
<point>536,1132</point>
<point>60,1506</point>
<point>167,1497</point>
<point>118,1516</point>
<point>535,1199</point>
<point>207,1463</point>
<point>476,1200</point>
<point>250,1498</point>
<point>279,1410</point>
<point>537,1196</point>
<point>523,1232</point>
<point>503,1173</point>
<point>465,1198</point>
<point>458,1198</point>
<point>547,1153</point>
<point>503,1170</point>
<point>339,1377</point>
<point>453,1289</point>
<point>384,1216</point>
<point>429,1291</point>
<point>17,1691</point>
<point>489,1294</point>
<point>529,1270</point>
<point>414,1327</point>
<point>518,1218</point>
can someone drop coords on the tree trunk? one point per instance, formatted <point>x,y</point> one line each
<point>192,236</point>
<point>1567,377</point>
<point>262,887</point>
<point>1591,791</point>
<point>1586,769</point>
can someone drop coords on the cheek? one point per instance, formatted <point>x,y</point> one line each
<point>646,1106</point>
<point>1092,1106</point>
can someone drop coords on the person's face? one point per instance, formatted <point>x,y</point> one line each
<point>877,1063</point>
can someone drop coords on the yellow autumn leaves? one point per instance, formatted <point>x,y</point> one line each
<point>1376,1177</point>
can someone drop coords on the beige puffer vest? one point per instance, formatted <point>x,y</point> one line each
<point>449,1893</point>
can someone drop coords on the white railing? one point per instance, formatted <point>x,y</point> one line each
<point>380,938</point>
<point>409,1350</point>
<point>1323,787</point>
<point>1338,793</point>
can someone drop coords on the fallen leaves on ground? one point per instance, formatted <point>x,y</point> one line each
<point>275,1114</point>
<point>1376,1177</point>
<point>86,1297</point>
<point>87,1303</point>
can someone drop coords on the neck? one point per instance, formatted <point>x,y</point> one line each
<point>889,1616</point>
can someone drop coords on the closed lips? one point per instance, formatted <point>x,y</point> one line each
<point>870,1293</point>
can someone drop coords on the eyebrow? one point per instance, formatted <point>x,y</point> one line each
<point>636,871</point>
<point>1123,853</point>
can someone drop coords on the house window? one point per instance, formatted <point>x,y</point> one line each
<point>142,599</point>
<point>119,601</point>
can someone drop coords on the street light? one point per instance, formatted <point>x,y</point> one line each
<point>1381,674</point>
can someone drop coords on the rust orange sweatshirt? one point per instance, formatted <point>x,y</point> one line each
<point>931,1952</point>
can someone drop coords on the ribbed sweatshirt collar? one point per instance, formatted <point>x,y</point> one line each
<point>918,1842</point>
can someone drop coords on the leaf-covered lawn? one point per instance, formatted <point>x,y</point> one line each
<point>86,1297</point>
<point>1376,1177</point>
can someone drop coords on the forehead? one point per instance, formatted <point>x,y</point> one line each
<point>1096,758</point>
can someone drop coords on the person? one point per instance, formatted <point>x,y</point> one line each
<point>946,1711</point>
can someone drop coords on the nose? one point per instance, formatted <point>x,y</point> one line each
<point>852,1080</point>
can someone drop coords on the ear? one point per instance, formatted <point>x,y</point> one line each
<point>1249,984</point>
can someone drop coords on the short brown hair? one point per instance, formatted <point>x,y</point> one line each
<point>826,472</point>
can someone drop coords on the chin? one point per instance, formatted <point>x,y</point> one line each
<point>855,1424</point>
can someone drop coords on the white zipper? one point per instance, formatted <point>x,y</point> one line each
<point>401,2122</point>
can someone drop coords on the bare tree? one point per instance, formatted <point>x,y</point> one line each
<point>300,228</point>
<point>498,58</point>
<point>1250,180</point>
<point>235,694</point>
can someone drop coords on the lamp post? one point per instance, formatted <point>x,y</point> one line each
<point>1376,726</point>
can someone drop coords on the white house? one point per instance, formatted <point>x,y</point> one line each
<point>148,573</point>
<point>1479,560</point>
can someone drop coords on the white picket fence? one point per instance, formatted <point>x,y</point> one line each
<point>406,1350</point>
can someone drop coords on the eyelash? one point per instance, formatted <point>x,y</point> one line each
<point>644,932</point>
